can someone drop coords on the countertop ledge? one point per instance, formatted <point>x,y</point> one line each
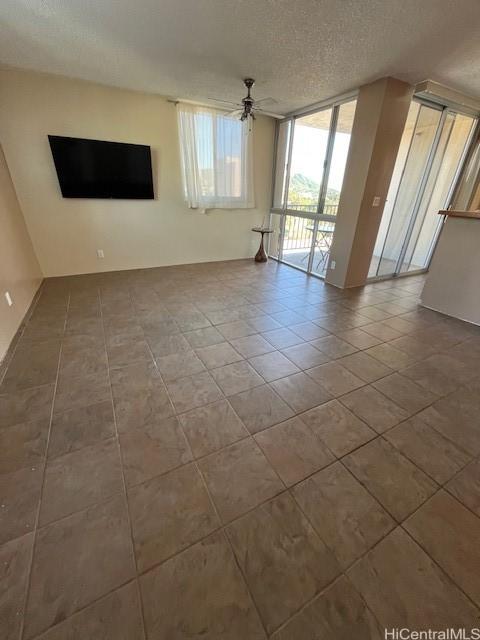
<point>461,214</point>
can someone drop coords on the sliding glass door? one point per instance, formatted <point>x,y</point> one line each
<point>311,158</point>
<point>431,152</point>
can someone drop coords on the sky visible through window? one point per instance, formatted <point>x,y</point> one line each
<point>309,151</point>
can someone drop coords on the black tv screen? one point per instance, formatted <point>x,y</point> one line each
<point>96,169</point>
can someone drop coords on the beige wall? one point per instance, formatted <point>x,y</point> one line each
<point>67,233</point>
<point>19,269</point>
<point>382,108</point>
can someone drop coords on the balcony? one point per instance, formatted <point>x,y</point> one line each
<point>298,244</point>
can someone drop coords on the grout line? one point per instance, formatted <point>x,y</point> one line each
<point>124,484</point>
<point>42,487</point>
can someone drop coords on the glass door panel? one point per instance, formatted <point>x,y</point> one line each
<point>421,144</point>
<point>310,143</point>
<point>297,241</point>
<point>338,163</point>
<point>431,153</point>
<point>281,163</point>
<point>451,148</point>
<point>394,186</point>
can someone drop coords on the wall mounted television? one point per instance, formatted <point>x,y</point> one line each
<point>97,169</point>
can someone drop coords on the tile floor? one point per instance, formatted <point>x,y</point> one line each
<point>238,451</point>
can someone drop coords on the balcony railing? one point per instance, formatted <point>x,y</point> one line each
<point>328,209</point>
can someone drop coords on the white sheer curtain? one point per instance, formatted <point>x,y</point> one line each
<point>217,160</point>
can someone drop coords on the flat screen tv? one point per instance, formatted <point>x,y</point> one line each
<point>96,169</point>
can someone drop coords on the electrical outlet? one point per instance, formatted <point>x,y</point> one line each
<point>8,298</point>
<point>333,264</point>
<point>100,253</point>
<point>376,201</point>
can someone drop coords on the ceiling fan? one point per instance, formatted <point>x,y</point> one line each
<point>248,107</point>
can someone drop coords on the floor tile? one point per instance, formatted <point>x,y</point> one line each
<point>339,613</point>
<point>218,355</point>
<point>93,555</point>
<point>72,430</point>
<point>212,427</point>
<point>282,338</point>
<point>358,338</point>
<point>339,429</point>
<point>19,501</point>
<point>260,408</point>
<point>239,478</point>
<point>417,349</point>
<point>272,366</point>
<point>305,355</point>
<point>374,408</point>
<point>288,317</point>
<point>284,561</point>
<point>128,352</point>
<point>237,329</point>
<point>204,337</point>
<point>429,376</point>
<point>251,346</point>
<point>301,392</point>
<point>308,330</point>
<point>347,518</point>
<point>449,533</point>
<point>381,331</point>
<point>174,610</point>
<point>179,365</point>
<point>333,347</point>
<point>396,483</point>
<point>337,380</point>
<point>80,479</point>
<point>390,356</point>
<point>428,449</point>
<point>14,568</point>
<point>294,450</point>
<point>169,513</point>
<point>81,391</point>
<point>23,445</point>
<point>264,323</point>
<point>456,417</point>
<point>407,394</point>
<point>165,345</point>
<point>152,450</point>
<point>117,616</point>
<point>139,395</point>
<point>81,356</point>
<point>193,391</point>
<point>26,405</point>
<point>365,367</point>
<point>32,366</point>
<point>235,378</point>
<point>465,486</point>
<point>405,589</point>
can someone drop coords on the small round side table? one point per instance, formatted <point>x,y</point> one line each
<point>261,256</point>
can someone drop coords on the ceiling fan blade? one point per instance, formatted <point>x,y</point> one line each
<point>266,101</point>
<point>269,113</point>
<point>235,104</point>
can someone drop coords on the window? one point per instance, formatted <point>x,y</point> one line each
<point>216,157</point>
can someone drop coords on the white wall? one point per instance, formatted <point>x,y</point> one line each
<point>66,233</point>
<point>19,269</point>
<point>452,285</point>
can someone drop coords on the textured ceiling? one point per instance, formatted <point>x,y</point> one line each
<point>299,51</point>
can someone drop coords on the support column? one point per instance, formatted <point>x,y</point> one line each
<point>380,117</point>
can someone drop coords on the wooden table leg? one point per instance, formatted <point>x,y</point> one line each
<point>261,256</point>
